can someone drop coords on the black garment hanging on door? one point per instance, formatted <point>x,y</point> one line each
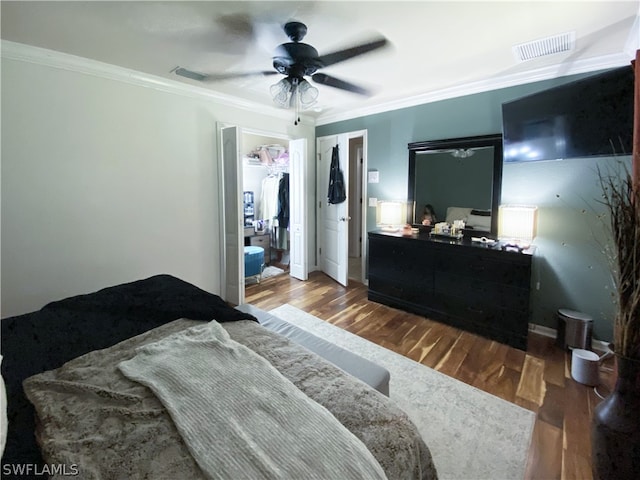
<point>337,190</point>
<point>283,201</point>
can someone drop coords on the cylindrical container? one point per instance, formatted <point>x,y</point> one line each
<point>584,367</point>
<point>574,329</point>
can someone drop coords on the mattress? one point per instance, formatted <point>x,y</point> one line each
<point>67,355</point>
<point>365,370</point>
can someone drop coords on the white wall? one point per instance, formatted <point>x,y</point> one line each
<point>105,182</point>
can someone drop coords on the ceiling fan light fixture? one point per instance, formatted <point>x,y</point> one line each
<point>281,93</point>
<point>462,153</point>
<point>308,94</point>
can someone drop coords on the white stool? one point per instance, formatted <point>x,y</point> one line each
<point>584,367</point>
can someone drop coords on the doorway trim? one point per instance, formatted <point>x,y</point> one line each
<point>365,202</point>
<point>220,126</point>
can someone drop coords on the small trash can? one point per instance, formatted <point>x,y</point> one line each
<point>574,329</point>
<point>585,367</point>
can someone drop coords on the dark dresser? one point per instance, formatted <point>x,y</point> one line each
<point>471,286</point>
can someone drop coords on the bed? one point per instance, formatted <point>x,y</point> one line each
<point>137,381</point>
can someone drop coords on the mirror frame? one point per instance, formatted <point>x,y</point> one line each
<point>494,141</point>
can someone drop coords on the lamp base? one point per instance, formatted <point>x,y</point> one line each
<point>514,246</point>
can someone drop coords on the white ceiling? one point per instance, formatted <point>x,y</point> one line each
<point>436,47</point>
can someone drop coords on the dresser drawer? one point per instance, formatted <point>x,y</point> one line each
<point>482,291</point>
<point>263,241</point>
<point>259,241</point>
<point>399,259</point>
<point>418,292</point>
<point>485,318</point>
<point>483,268</point>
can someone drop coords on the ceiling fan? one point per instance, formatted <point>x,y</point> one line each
<point>297,60</point>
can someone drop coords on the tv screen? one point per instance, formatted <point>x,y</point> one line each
<point>592,116</point>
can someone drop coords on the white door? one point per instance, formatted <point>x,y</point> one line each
<point>333,219</point>
<point>233,232</point>
<point>298,266</point>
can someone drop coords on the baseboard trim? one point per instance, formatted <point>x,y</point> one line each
<point>542,330</point>
<point>553,333</point>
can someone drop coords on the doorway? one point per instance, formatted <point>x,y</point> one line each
<point>241,209</point>
<point>341,238</point>
<point>265,187</point>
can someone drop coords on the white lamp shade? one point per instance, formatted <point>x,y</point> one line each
<point>517,222</point>
<point>391,213</point>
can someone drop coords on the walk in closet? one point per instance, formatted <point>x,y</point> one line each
<point>266,197</point>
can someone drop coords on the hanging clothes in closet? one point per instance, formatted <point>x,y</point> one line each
<point>283,213</point>
<point>269,198</point>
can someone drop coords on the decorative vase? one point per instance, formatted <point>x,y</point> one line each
<point>615,432</point>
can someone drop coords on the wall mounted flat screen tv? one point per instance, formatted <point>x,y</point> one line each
<point>592,116</point>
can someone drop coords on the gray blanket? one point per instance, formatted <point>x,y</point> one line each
<point>236,412</point>
<point>92,416</point>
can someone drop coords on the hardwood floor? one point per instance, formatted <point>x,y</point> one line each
<point>538,379</point>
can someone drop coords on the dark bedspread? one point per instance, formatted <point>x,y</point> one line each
<point>68,328</point>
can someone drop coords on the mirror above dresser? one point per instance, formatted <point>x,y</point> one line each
<point>459,178</point>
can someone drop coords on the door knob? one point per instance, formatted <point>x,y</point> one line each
<point>343,219</point>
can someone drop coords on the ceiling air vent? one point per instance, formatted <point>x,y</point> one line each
<point>563,42</point>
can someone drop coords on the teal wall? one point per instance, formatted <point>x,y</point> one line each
<point>571,265</point>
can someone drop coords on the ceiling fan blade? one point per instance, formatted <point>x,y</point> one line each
<point>330,81</point>
<point>183,72</point>
<point>204,77</point>
<point>347,53</point>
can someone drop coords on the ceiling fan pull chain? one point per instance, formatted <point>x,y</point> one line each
<point>297,101</point>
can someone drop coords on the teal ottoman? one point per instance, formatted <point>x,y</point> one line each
<point>253,262</point>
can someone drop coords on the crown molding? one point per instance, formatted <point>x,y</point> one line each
<point>504,81</point>
<point>633,40</point>
<point>51,58</point>
<point>54,59</point>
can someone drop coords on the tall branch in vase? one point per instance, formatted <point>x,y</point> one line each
<point>615,428</point>
<point>622,198</point>
<point>636,123</point>
<point>621,195</point>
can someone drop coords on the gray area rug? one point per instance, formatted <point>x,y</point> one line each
<point>271,271</point>
<point>471,434</point>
